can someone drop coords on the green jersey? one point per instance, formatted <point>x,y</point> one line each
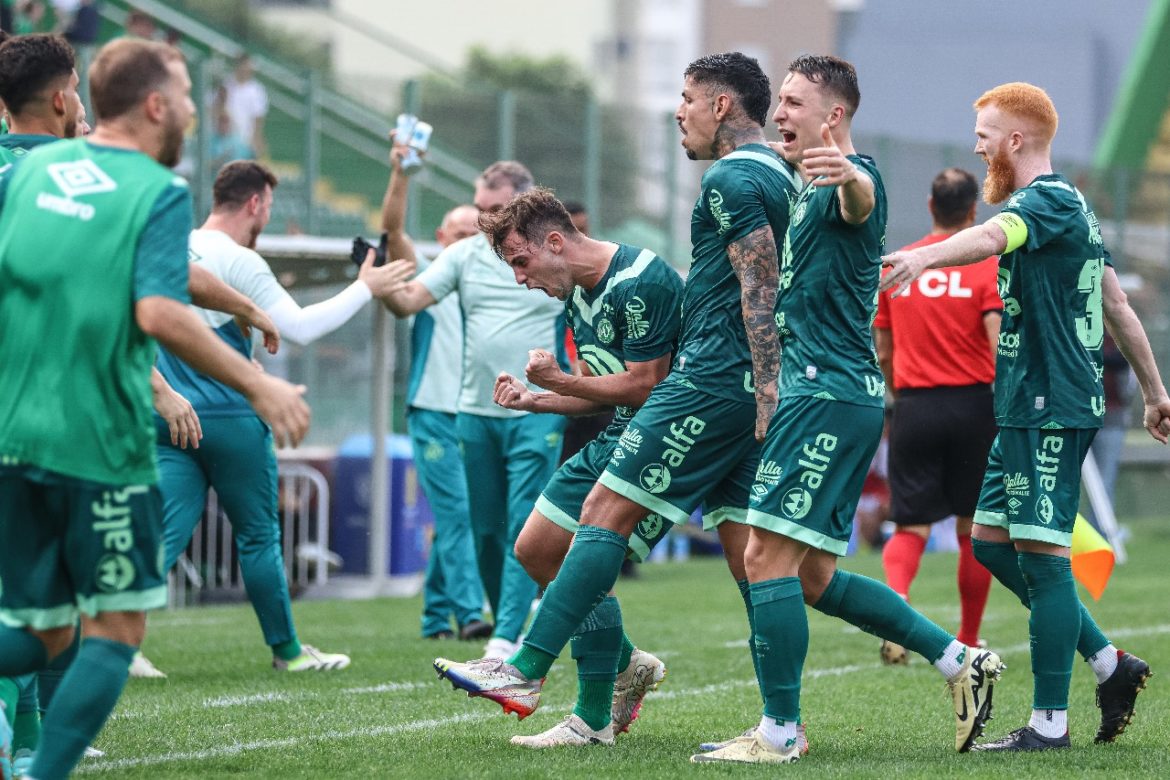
<point>829,274</point>
<point>1048,367</point>
<point>743,191</point>
<point>13,147</point>
<point>631,315</point>
<point>86,231</point>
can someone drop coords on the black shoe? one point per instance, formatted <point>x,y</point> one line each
<point>446,633</point>
<point>1116,696</point>
<point>1026,738</point>
<point>476,629</point>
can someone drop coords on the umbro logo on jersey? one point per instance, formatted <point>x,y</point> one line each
<point>81,177</point>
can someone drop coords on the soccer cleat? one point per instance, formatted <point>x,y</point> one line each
<point>572,732</point>
<point>641,675</point>
<point>312,660</point>
<point>1116,696</point>
<point>493,679</point>
<point>894,654</point>
<point>142,667</point>
<point>476,629</point>
<point>1026,738</point>
<point>801,740</point>
<point>971,691</point>
<point>750,750</point>
<point>500,649</point>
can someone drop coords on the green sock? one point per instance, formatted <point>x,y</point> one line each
<point>1053,627</point>
<point>286,651</point>
<point>26,731</point>
<point>596,647</point>
<point>1002,560</point>
<point>85,699</point>
<point>9,693</point>
<point>20,652</point>
<point>780,638</point>
<point>627,652</point>
<point>876,609</point>
<point>586,577</point>
<point>49,678</point>
<point>745,591</point>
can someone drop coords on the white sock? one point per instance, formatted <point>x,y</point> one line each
<point>951,661</point>
<point>1104,662</point>
<point>1050,723</point>
<point>777,733</point>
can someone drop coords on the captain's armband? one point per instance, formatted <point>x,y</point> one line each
<point>1013,227</point>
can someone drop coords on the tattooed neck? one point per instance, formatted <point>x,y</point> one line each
<point>728,138</point>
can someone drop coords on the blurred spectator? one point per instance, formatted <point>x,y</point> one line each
<point>82,27</point>
<point>27,17</point>
<point>141,25</point>
<point>246,103</point>
<point>225,144</point>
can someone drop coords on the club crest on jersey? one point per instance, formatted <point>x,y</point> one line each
<point>604,331</point>
<point>715,205</point>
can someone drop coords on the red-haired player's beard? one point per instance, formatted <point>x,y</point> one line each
<point>1000,181</point>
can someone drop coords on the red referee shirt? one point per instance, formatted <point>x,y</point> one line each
<point>937,325</point>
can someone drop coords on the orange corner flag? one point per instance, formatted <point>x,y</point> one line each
<point>1092,558</point>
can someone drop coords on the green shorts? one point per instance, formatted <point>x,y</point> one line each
<point>565,493</point>
<point>815,459</point>
<point>685,448</point>
<point>1032,486</point>
<point>69,546</point>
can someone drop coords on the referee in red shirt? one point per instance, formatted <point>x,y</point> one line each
<point>936,344</point>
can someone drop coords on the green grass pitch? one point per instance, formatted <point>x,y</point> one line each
<point>224,712</point>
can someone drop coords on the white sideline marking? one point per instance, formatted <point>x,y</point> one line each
<point>99,765</point>
<point>267,744</point>
<point>235,701</point>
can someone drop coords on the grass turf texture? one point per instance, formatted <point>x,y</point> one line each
<point>224,712</point>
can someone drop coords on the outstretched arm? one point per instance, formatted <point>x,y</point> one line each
<point>754,259</point>
<point>963,248</point>
<point>1131,339</point>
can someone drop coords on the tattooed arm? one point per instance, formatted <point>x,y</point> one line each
<point>755,262</point>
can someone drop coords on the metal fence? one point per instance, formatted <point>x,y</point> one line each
<point>209,568</point>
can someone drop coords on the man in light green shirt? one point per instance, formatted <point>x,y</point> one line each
<point>510,454</point>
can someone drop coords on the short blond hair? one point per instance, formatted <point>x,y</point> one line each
<point>1026,101</point>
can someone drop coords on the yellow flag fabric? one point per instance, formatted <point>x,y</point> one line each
<point>1092,558</point>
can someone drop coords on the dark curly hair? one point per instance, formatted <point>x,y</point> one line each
<point>740,74</point>
<point>29,64</point>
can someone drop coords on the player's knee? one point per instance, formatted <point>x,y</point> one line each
<point>530,557</point>
<point>56,640</point>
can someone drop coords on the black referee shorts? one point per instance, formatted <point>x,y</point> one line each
<point>939,439</point>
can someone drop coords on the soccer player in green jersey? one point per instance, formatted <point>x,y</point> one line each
<point>827,426</point>
<point>696,439</point>
<point>80,516</point>
<point>622,303</point>
<point>1060,292</point>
